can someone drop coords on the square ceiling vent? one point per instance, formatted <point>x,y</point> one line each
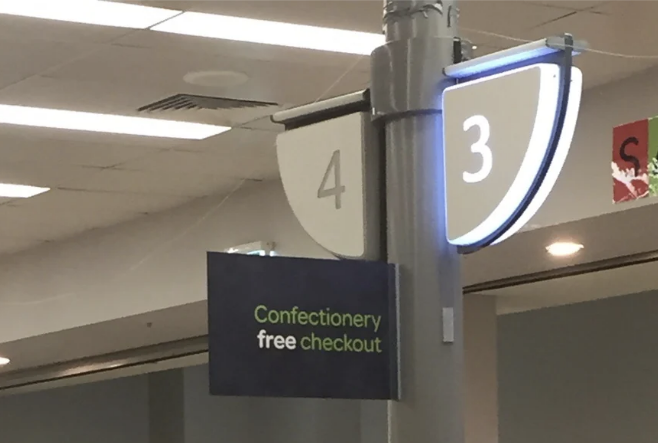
<point>214,110</point>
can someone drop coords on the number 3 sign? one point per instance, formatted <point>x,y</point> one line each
<point>506,137</point>
<point>505,143</point>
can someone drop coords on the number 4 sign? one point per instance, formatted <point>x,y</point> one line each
<point>337,190</point>
<point>330,174</point>
<point>507,130</point>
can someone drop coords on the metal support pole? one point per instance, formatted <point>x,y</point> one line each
<point>406,95</point>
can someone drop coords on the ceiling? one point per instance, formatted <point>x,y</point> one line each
<point>100,180</point>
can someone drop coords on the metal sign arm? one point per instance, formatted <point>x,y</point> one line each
<point>517,56</point>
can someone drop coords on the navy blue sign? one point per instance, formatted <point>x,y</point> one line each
<point>298,327</point>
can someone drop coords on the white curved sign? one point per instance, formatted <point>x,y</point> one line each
<point>330,176</point>
<point>497,132</point>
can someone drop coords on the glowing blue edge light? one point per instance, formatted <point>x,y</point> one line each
<point>496,60</point>
<point>561,153</point>
<point>545,117</point>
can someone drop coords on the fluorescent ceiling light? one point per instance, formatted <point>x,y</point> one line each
<point>271,33</point>
<point>20,191</point>
<point>4,361</point>
<point>92,12</point>
<point>114,124</point>
<point>563,249</point>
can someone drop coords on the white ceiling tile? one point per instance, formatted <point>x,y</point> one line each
<point>157,74</point>
<point>9,245</point>
<point>265,124</point>
<point>79,94</point>
<point>261,166</point>
<point>240,140</point>
<point>105,202</point>
<point>60,214</point>
<point>43,174</point>
<point>171,162</point>
<point>25,148</point>
<point>157,183</point>
<point>507,17</point>
<point>110,98</point>
<point>238,153</point>
<point>221,51</point>
<point>234,117</point>
<point>22,58</point>
<point>628,8</point>
<point>12,26</point>
<point>360,15</point>
<point>609,33</point>
<point>576,5</point>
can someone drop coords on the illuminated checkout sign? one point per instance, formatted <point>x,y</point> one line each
<point>508,127</point>
<point>507,137</point>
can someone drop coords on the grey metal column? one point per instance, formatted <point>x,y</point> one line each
<point>406,91</point>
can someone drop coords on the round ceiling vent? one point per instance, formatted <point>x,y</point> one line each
<point>216,79</point>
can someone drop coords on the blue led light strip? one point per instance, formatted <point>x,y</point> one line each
<point>525,54</point>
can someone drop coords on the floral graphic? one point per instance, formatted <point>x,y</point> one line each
<point>630,162</point>
<point>653,177</point>
<point>626,186</point>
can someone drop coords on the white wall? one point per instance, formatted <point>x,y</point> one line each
<point>584,373</point>
<point>584,188</point>
<point>153,263</point>
<point>111,412</point>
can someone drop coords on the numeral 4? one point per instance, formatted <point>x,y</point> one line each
<point>338,189</point>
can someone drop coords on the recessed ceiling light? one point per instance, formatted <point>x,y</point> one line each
<point>113,124</point>
<point>4,361</point>
<point>271,33</point>
<point>20,191</point>
<point>563,249</point>
<point>92,12</point>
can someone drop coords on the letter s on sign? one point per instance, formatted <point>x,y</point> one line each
<point>480,147</point>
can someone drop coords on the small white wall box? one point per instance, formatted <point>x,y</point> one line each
<point>255,248</point>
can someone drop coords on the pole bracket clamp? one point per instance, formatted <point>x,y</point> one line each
<point>392,12</point>
<point>417,90</point>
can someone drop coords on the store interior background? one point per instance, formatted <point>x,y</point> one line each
<point>577,373</point>
<point>576,357</point>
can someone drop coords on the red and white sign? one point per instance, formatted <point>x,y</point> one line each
<point>630,161</point>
